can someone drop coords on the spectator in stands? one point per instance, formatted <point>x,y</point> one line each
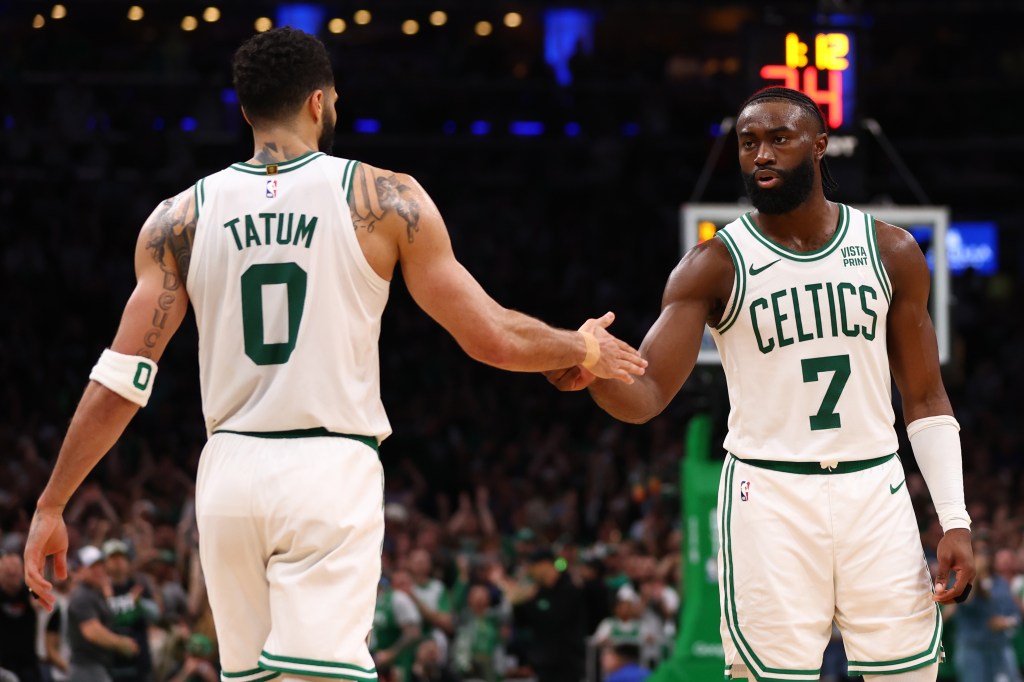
<point>428,666</point>
<point>17,622</point>
<point>134,603</point>
<point>479,638</point>
<point>620,663</point>
<point>397,625</point>
<point>199,665</point>
<point>90,622</point>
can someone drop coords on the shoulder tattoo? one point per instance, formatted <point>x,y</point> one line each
<point>375,194</point>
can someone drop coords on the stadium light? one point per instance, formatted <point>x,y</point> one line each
<point>410,27</point>
<point>58,12</point>
<point>484,28</point>
<point>38,21</point>
<point>513,19</point>
<point>189,23</point>
<point>263,24</point>
<point>135,13</point>
<point>362,17</point>
<point>438,18</point>
<point>211,14</point>
<point>336,25</point>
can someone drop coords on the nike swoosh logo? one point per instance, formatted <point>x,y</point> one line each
<point>753,271</point>
<point>893,489</point>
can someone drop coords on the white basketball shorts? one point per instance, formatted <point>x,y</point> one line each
<point>290,534</point>
<point>804,547</point>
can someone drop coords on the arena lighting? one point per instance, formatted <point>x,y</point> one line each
<point>630,129</point>
<point>572,129</point>
<point>228,96</point>
<point>369,126</point>
<point>38,21</point>
<point>484,28</point>
<point>513,19</point>
<point>438,18</point>
<point>158,123</point>
<point>58,12</point>
<point>362,17</point>
<point>410,27</point>
<point>9,122</point>
<point>188,124</point>
<point>135,13</point>
<point>189,23</point>
<point>336,25</point>
<point>263,24</point>
<point>449,128</point>
<point>305,17</point>
<point>526,128</point>
<point>211,14</point>
<point>565,31</point>
<point>479,127</point>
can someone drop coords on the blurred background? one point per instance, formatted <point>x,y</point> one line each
<point>560,143</point>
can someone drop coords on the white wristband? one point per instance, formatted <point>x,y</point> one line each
<point>129,376</point>
<point>936,444</point>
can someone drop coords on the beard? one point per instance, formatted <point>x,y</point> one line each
<point>795,187</point>
<point>325,142</point>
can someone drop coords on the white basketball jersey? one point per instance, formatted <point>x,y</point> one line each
<point>287,306</point>
<point>803,345</point>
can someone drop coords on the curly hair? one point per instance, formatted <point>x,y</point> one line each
<point>274,72</point>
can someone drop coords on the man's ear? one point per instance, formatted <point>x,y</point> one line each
<point>246,116</point>
<point>820,145</point>
<point>315,105</point>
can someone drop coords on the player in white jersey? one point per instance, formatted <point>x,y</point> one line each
<point>812,304</point>
<point>287,261</point>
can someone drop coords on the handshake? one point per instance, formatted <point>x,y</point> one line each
<point>607,358</point>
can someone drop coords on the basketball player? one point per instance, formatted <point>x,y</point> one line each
<point>287,260</point>
<point>812,304</point>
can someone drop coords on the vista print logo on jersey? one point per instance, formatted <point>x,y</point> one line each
<point>272,189</point>
<point>744,490</point>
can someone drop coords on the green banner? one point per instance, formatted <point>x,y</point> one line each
<point>698,655</point>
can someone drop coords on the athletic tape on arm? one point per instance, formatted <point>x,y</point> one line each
<point>936,444</point>
<point>129,376</point>
<point>593,350</point>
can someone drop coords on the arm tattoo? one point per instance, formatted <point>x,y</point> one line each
<point>173,229</point>
<point>374,195</point>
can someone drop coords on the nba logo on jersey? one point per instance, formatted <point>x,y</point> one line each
<point>744,490</point>
<point>271,189</point>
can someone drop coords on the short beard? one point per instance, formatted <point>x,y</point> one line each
<point>794,189</point>
<point>325,142</point>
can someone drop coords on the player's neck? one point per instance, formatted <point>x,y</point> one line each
<point>277,145</point>
<point>807,223</point>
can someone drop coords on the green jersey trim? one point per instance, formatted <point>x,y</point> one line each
<point>283,167</point>
<point>929,656</point>
<point>200,194</point>
<point>759,671</point>
<point>319,432</point>
<point>346,180</point>
<point>814,468</point>
<point>254,675</point>
<point>733,313</point>
<point>803,256</point>
<point>307,666</point>
<point>876,258</point>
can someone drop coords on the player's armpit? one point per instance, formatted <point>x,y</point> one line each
<point>912,346</point>
<point>159,302</point>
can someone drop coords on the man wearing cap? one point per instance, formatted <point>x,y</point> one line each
<point>133,605</point>
<point>93,643</point>
<point>554,612</point>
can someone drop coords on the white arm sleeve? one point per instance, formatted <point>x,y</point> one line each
<point>936,444</point>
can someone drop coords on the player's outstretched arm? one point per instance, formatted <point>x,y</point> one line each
<point>151,316</point>
<point>934,433</point>
<point>439,284</point>
<point>696,294</point>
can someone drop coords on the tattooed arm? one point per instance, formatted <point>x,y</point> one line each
<point>409,230</point>
<point>151,316</point>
